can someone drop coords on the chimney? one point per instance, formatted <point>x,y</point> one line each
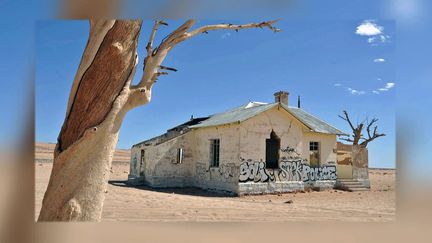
<point>298,102</point>
<point>281,97</point>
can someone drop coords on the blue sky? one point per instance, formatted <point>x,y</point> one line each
<point>326,62</point>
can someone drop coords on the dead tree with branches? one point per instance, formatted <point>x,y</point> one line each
<point>357,136</point>
<point>102,93</point>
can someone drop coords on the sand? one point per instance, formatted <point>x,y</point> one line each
<point>180,205</point>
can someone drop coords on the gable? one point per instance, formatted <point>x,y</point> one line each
<point>277,116</point>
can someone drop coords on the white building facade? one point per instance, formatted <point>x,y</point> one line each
<point>252,149</point>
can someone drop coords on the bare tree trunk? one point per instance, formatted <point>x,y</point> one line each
<point>101,95</point>
<point>89,135</point>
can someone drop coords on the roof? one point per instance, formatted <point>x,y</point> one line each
<point>252,109</point>
<point>240,114</point>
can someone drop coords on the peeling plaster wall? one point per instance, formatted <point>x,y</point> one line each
<point>239,142</point>
<point>225,177</point>
<point>327,146</point>
<point>255,131</point>
<point>160,167</point>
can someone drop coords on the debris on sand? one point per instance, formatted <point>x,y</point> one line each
<point>289,201</point>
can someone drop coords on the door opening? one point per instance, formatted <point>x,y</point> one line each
<point>272,151</point>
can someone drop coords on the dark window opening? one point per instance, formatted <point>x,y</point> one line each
<point>214,152</point>
<point>142,161</point>
<point>179,155</point>
<point>272,151</point>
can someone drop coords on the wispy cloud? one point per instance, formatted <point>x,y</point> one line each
<point>379,60</point>
<point>355,92</point>
<point>225,35</point>
<point>350,90</point>
<point>386,88</point>
<point>373,31</point>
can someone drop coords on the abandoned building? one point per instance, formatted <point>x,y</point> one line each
<point>252,149</point>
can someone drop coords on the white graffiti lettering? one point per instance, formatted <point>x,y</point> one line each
<point>292,170</point>
<point>254,171</point>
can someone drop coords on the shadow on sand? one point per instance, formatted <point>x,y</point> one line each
<point>191,191</point>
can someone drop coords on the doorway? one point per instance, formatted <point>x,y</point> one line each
<point>272,151</point>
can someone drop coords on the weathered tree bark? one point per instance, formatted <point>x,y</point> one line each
<point>100,97</point>
<point>89,134</point>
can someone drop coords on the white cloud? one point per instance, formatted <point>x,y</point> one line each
<point>379,60</point>
<point>375,92</point>
<point>389,85</point>
<point>337,84</point>
<point>369,28</point>
<point>225,35</point>
<point>374,32</point>
<point>355,92</point>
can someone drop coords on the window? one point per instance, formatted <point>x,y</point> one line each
<point>314,154</point>
<point>179,155</point>
<point>272,151</point>
<point>142,163</point>
<point>214,152</point>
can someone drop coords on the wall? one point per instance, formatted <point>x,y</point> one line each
<point>295,137</point>
<point>225,177</point>
<point>242,157</point>
<point>360,163</point>
<point>255,131</point>
<point>344,161</point>
<point>160,167</point>
<point>294,173</point>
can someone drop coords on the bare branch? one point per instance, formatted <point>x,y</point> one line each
<point>204,29</point>
<point>163,23</point>
<point>151,38</point>
<point>155,57</point>
<point>347,139</point>
<point>167,68</point>
<point>348,120</point>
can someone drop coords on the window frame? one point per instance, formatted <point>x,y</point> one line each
<point>316,145</point>
<point>214,152</point>
<point>180,155</point>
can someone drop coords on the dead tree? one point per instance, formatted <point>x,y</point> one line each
<point>100,96</point>
<point>357,136</point>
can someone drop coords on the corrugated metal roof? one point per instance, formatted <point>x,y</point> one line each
<point>252,109</point>
<point>237,114</point>
<point>314,123</point>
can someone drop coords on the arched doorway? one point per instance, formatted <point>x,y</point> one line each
<point>272,151</point>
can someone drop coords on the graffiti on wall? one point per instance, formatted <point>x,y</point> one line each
<point>290,170</point>
<point>254,171</point>
<point>291,153</point>
<point>225,172</point>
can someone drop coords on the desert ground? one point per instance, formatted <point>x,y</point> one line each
<point>124,203</point>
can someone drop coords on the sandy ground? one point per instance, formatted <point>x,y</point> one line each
<point>173,205</point>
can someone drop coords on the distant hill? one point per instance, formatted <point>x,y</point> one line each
<point>44,153</point>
